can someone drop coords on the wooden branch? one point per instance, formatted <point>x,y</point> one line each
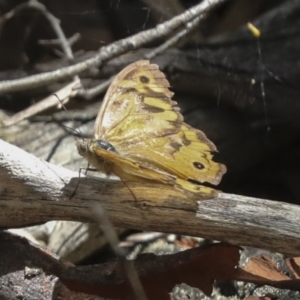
<point>33,191</point>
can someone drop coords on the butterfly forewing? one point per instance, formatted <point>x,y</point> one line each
<point>138,102</point>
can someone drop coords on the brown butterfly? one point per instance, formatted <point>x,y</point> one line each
<point>140,135</point>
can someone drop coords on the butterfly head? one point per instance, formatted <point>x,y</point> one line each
<point>96,152</point>
<point>86,145</point>
<point>82,146</point>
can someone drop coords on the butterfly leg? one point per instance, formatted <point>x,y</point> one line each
<point>78,181</point>
<point>132,193</point>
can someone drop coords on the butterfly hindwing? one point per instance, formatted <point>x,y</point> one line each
<point>130,170</point>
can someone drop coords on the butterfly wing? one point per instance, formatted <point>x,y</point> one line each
<point>130,170</point>
<point>186,154</point>
<point>137,104</point>
<point>145,126</point>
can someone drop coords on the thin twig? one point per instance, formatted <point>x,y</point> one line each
<point>110,51</point>
<point>190,26</point>
<point>64,94</point>
<point>91,93</point>
<point>9,15</point>
<point>55,24</point>
<point>71,41</point>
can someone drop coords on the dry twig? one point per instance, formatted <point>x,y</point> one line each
<point>64,95</point>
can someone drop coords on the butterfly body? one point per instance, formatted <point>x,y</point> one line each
<point>140,135</point>
<point>87,149</point>
<point>105,158</point>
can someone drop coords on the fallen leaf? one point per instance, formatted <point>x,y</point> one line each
<point>265,267</point>
<point>294,265</point>
<point>263,271</point>
<point>198,267</point>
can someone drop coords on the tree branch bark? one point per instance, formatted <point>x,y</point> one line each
<point>33,191</point>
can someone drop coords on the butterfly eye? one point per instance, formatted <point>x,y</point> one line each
<point>198,165</point>
<point>106,145</point>
<point>144,79</point>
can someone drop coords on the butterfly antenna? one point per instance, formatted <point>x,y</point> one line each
<point>78,131</point>
<point>70,129</point>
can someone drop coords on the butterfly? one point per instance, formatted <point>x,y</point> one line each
<point>140,136</point>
